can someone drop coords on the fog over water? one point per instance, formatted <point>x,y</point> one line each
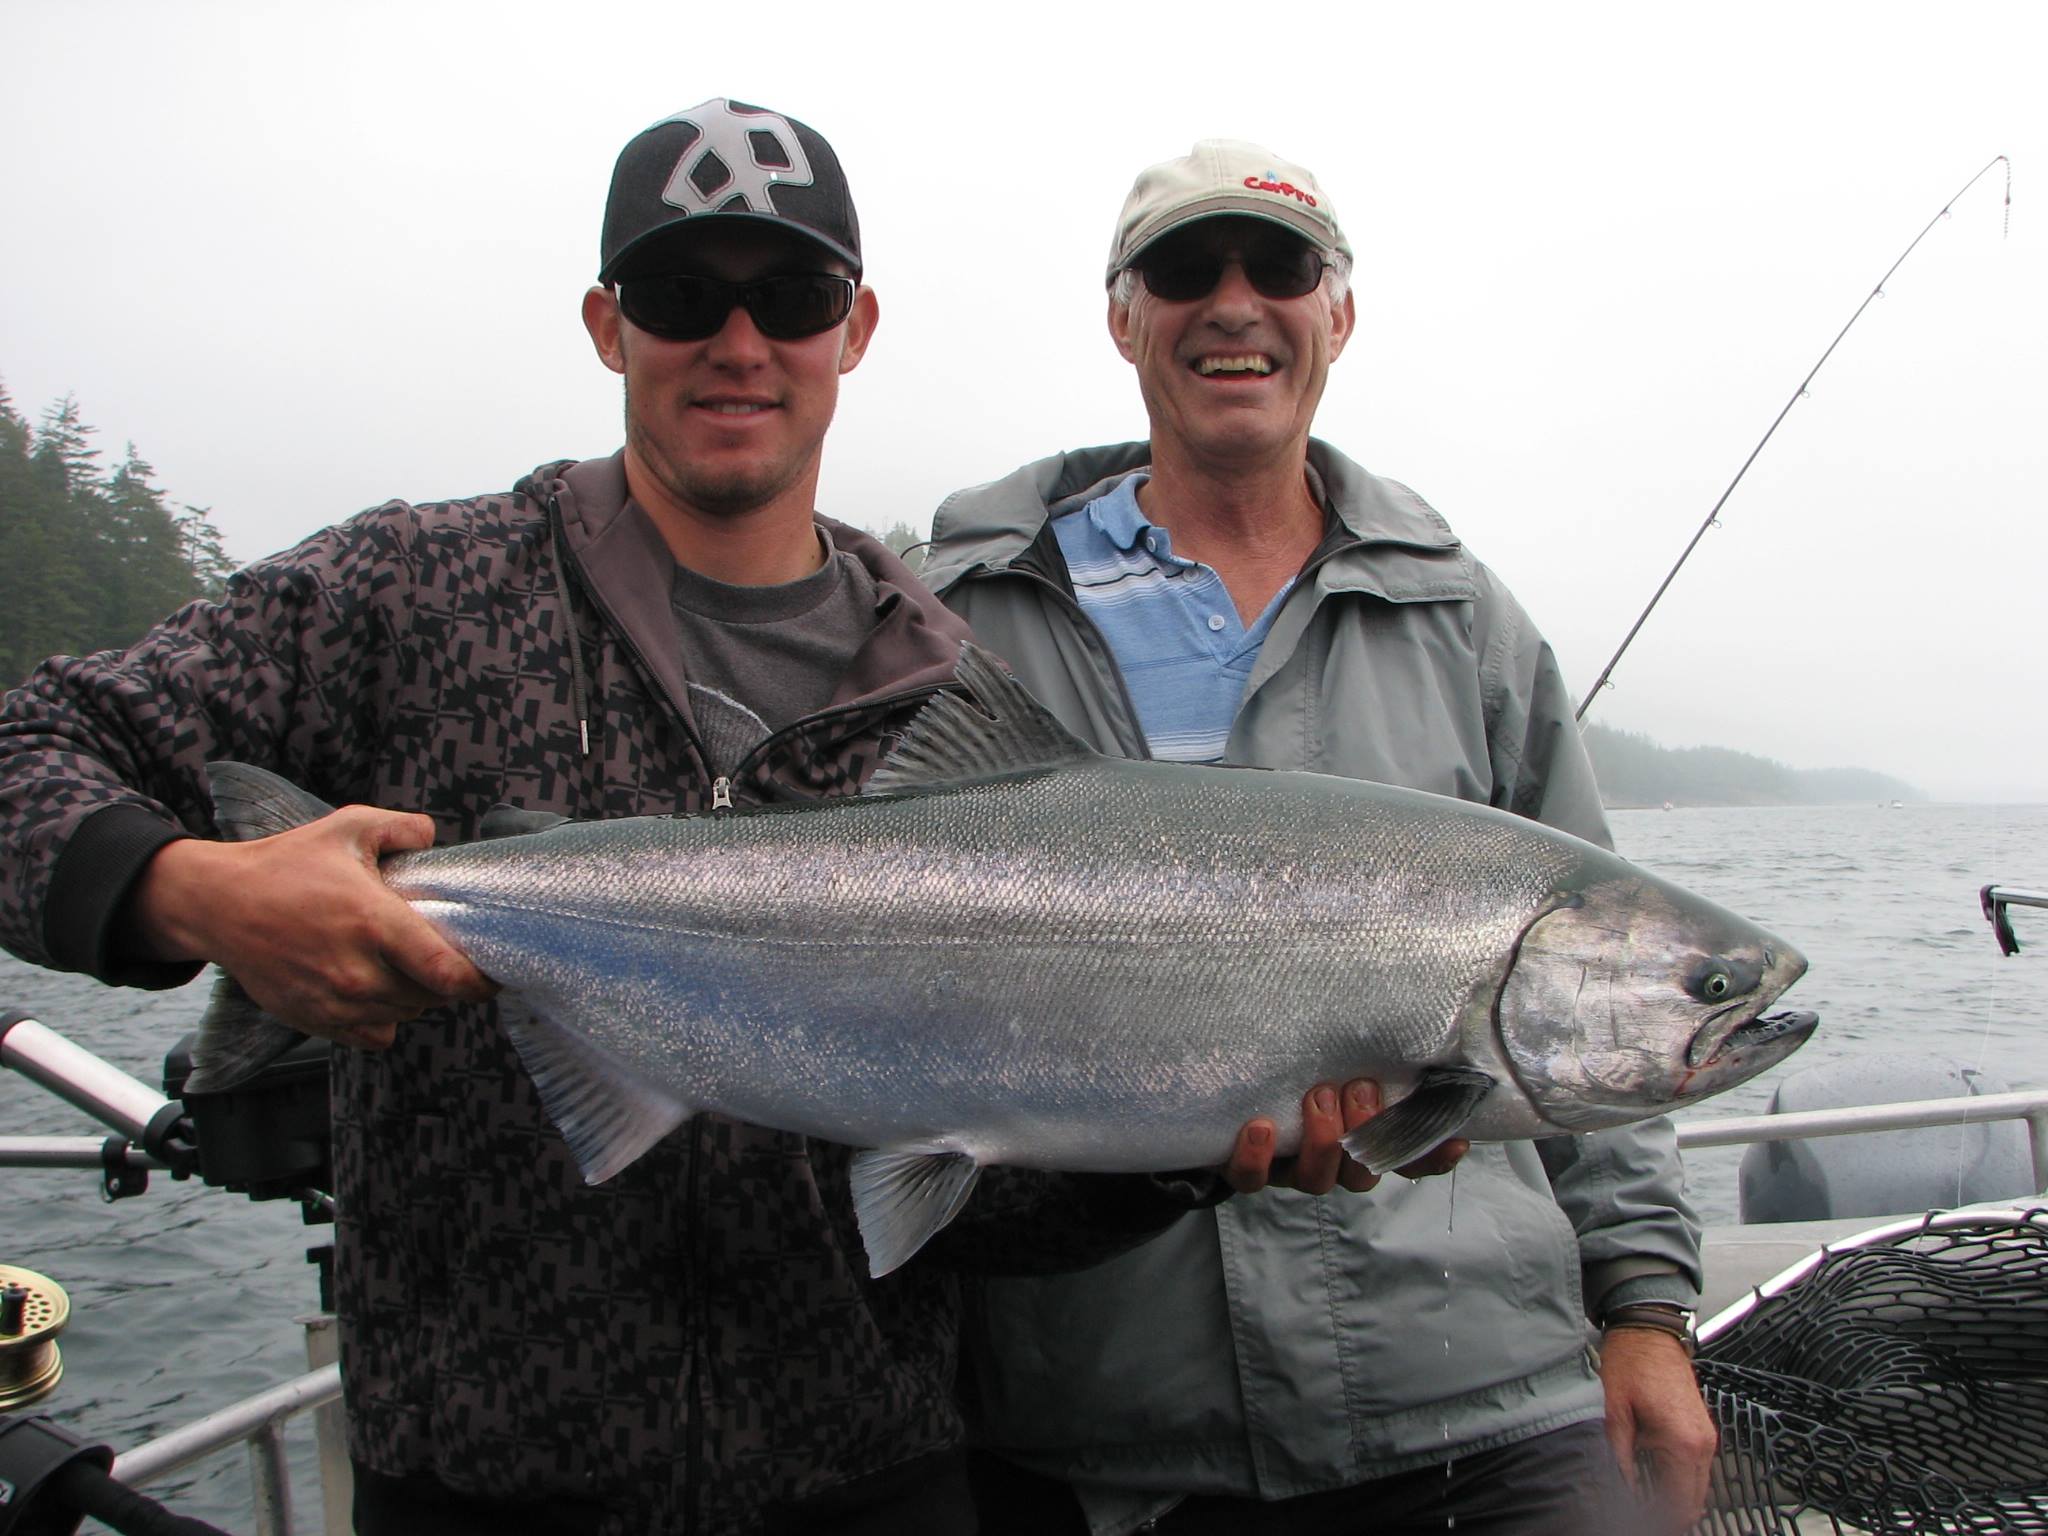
<point>308,258</point>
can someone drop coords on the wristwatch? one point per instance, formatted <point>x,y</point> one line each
<point>1658,1316</point>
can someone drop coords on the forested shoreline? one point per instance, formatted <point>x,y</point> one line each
<point>1633,770</point>
<point>90,556</point>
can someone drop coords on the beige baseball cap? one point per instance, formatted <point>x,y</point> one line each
<point>1220,176</point>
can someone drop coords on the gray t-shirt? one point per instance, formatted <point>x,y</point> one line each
<point>778,650</point>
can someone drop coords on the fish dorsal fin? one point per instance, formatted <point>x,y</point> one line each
<point>902,1199</point>
<point>510,821</point>
<point>1003,731</point>
<point>1441,1103</point>
<point>727,729</point>
<point>607,1113</point>
<point>251,802</point>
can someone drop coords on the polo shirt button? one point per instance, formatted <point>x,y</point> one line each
<point>1215,621</point>
<point>1152,543</point>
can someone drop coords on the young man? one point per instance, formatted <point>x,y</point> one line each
<point>694,1345</point>
<point>1237,591</point>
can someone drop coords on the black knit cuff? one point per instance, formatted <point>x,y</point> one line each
<point>85,907</point>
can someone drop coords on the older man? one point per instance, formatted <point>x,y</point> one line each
<point>694,1345</point>
<point>1237,591</point>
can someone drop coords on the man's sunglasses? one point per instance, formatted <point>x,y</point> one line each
<point>1181,272</point>
<point>682,307</point>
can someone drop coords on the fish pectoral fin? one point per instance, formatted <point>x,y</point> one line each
<point>235,1039</point>
<point>607,1114</point>
<point>1003,731</point>
<point>902,1199</point>
<point>1442,1102</point>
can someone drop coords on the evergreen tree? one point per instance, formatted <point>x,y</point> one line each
<point>88,560</point>
<point>199,544</point>
<point>901,537</point>
<point>21,539</point>
<point>47,565</point>
<point>151,576</point>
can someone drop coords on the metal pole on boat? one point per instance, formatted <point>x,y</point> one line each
<point>2037,1142</point>
<point>270,1481</point>
<point>80,1078</point>
<point>330,1430</point>
<point>90,1152</point>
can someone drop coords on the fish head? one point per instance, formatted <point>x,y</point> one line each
<point>1633,997</point>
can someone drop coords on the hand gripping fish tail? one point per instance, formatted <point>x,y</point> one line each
<point>1010,949</point>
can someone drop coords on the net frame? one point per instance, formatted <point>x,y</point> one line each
<point>1895,1382</point>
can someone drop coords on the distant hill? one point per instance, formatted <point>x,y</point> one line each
<point>1633,770</point>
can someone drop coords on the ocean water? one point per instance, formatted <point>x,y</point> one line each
<point>183,1299</point>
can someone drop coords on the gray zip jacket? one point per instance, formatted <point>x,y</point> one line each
<point>1289,1344</point>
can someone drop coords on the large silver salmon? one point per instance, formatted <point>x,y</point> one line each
<point>1012,949</point>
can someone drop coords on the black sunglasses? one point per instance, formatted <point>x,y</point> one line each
<point>1183,271</point>
<point>679,306</point>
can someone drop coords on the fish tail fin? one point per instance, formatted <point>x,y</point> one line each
<point>236,1039</point>
<point>607,1114</point>
<point>1439,1106</point>
<point>903,1199</point>
<point>251,802</point>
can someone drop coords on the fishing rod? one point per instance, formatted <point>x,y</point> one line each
<point>1797,394</point>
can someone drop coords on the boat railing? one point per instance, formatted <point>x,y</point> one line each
<point>1995,899</point>
<point>259,1423</point>
<point>1860,1119</point>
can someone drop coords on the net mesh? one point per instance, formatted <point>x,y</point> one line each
<point>1896,1388</point>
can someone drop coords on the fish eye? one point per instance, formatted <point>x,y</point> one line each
<point>1716,978</point>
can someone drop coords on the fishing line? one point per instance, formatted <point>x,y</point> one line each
<point>1797,395</point>
<point>1991,960</point>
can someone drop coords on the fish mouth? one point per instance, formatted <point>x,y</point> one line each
<point>1784,1030</point>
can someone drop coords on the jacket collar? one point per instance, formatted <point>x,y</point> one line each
<point>627,568</point>
<point>1388,541</point>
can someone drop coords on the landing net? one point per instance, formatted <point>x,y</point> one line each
<point>1900,1387</point>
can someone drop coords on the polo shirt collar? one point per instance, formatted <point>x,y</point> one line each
<point>1118,515</point>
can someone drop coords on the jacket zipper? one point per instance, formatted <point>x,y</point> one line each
<point>721,786</point>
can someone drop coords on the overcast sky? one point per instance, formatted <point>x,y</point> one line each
<point>310,257</point>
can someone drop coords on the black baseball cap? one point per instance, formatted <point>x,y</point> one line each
<point>724,160</point>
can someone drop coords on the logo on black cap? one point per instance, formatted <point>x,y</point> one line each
<point>735,160</point>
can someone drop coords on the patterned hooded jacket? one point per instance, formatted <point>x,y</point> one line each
<point>696,1342</point>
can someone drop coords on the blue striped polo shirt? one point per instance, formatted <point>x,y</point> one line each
<point>1170,623</point>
